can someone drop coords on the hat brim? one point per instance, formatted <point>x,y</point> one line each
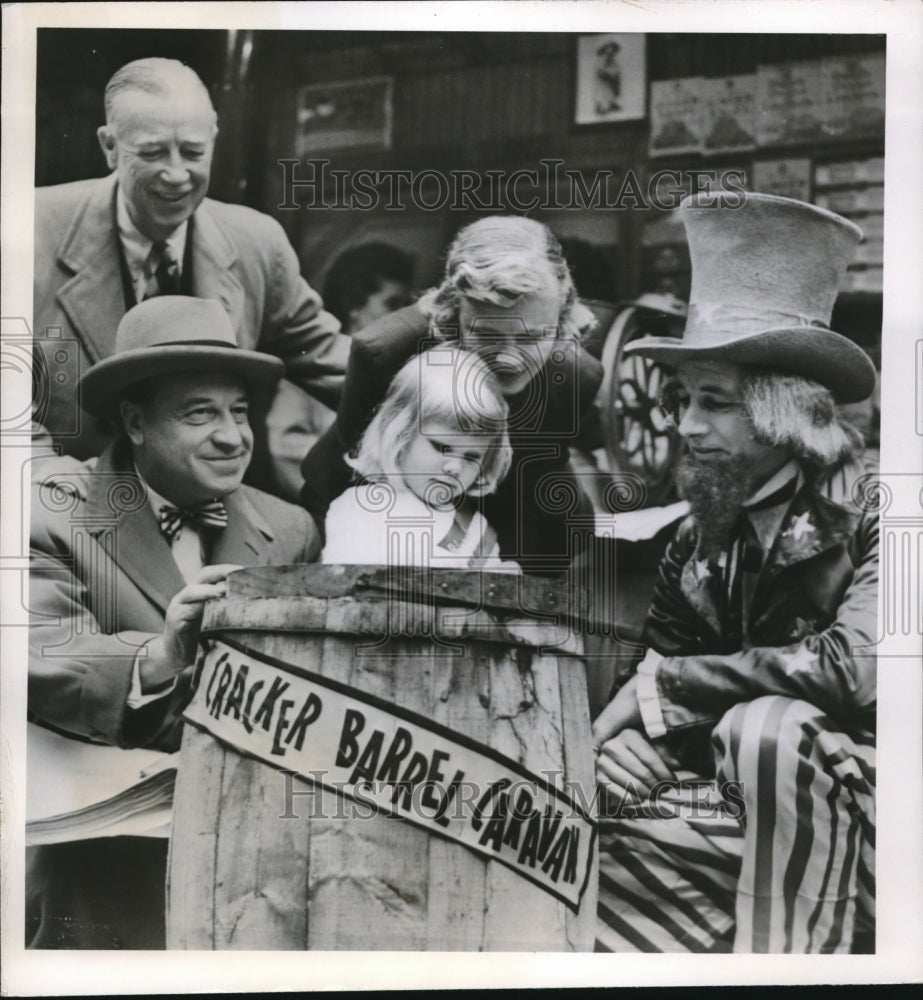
<point>102,383</point>
<point>823,355</point>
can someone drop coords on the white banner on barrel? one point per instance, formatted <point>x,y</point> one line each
<point>397,762</point>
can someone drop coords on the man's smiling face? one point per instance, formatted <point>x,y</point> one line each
<point>712,419</point>
<point>161,146</point>
<point>191,438</point>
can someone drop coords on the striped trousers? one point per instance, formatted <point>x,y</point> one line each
<point>785,864</point>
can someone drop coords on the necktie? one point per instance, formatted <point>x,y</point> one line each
<point>745,560</point>
<point>210,515</point>
<point>162,270</point>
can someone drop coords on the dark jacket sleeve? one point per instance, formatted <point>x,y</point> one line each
<point>296,328</point>
<point>834,669</point>
<point>541,513</point>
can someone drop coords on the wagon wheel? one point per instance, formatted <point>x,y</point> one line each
<point>636,435</point>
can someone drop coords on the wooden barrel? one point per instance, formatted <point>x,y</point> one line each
<point>455,703</point>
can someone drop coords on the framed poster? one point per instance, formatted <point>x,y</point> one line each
<point>789,178</point>
<point>611,79</point>
<point>677,108</point>
<point>791,103</point>
<point>345,115</point>
<point>728,113</point>
<point>854,92</point>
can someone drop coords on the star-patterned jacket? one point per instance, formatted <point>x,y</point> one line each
<point>809,631</point>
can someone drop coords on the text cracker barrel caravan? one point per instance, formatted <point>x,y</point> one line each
<point>386,759</point>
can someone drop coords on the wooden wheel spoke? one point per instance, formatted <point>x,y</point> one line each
<point>638,437</point>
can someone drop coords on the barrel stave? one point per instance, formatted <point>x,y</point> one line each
<point>382,864</point>
<point>523,727</point>
<point>458,879</point>
<point>580,769</point>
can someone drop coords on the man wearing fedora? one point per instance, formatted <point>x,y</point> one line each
<point>147,229</point>
<point>123,557</point>
<point>738,761</point>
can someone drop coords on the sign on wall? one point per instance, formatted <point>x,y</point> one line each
<point>611,78</point>
<point>345,115</point>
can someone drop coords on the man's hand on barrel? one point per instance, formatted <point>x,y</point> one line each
<point>628,765</point>
<point>175,648</point>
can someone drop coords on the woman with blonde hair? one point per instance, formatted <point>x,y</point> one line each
<point>507,295</point>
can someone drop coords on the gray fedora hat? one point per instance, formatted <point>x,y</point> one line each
<point>170,335</point>
<point>765,275</point>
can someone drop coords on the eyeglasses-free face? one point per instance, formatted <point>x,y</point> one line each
<point>161,148</point>
<point>704,400</point>
<point>516,341</point>
<point>440,464</point>
<point>191,439</point>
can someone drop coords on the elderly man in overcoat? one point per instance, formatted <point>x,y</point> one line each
<point>147,229</point>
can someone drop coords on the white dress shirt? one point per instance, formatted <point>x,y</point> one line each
<point>187,543</point>
<point>189,558</point>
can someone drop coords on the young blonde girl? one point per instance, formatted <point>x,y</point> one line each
<point>436,445</point>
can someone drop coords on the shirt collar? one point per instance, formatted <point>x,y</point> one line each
<point>775,482</point>
<point>136,245</point>
<point>767,522</point>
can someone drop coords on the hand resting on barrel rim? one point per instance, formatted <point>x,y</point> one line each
<point>628,765</point>
<point>175,648</point>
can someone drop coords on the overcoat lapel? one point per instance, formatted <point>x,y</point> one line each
<point>701,585</point>
<point>246,540</point>
<point>124,524</point>
<point>808,529</point>
<point>128,530</point>
<point>810,526</point>
<point>94,298</point>
<point>213,277</point>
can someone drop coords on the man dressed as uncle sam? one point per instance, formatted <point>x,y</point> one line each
<point>760,672</point>
<point>123,557</point>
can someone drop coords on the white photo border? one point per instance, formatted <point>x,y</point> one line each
<point>900,788</point>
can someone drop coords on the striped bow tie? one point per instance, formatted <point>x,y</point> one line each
<point>210,515</point>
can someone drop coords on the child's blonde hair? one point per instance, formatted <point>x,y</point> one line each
<point>446,384</point>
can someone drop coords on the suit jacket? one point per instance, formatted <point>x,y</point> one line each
<point>812,622</point>
<point>238,256</point>
<point>536,507</point>
<point>101,577</point>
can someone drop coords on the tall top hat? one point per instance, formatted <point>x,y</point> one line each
<point>765,276</point>
<point>170,335</point>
